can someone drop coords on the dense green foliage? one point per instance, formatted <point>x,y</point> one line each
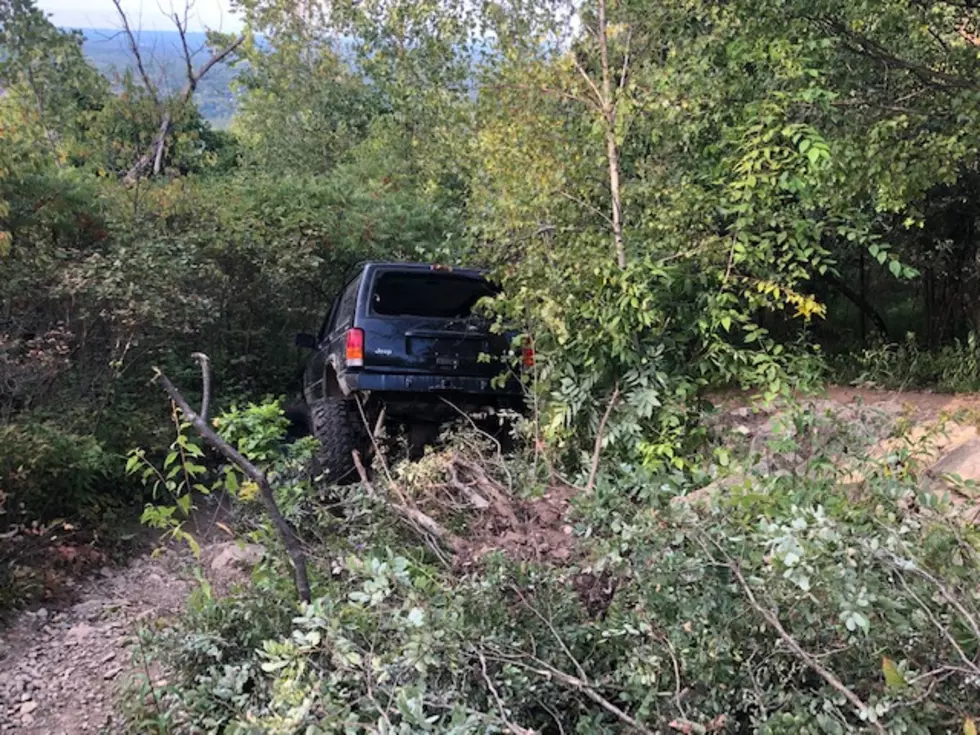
<point>677,196</point>
<point>786,607</point>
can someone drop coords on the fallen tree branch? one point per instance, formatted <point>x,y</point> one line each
<point>500,502</point>
<point>511,727</point>
<point>476,500</point>
<point>969,619</point>
<point>410,513</point>
<point>828,676</point>
<point>583,686</point>
<point>590,485</point>
<point>286,533</point>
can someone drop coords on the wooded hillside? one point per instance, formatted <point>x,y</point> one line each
<point>679,198</point>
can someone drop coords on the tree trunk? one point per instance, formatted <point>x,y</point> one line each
<point>859,301</point>
<point>612,148</point>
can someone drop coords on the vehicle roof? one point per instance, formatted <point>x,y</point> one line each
<point>427,267</point>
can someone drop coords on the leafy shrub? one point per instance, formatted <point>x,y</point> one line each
<point>786,606</point>
<point>47,471</point>
<point>215,652</point>
<point>954,368</point>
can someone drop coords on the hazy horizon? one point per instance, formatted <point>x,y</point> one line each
<point>148,15</point>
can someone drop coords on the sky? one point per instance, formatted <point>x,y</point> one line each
<point>146,14</point>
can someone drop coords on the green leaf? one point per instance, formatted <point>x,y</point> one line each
<point>893,677</point>
<point>193,450</point>
<point>896,268</point>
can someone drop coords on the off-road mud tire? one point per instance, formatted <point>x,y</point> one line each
<point>338,426</point>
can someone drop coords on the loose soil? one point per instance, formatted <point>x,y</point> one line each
<point>65,666</point>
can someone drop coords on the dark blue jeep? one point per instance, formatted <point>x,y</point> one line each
<point>403,338</point>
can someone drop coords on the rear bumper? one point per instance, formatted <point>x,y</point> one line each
<point>426,384</point>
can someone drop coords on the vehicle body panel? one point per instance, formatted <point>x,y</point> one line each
<point>410,358</point>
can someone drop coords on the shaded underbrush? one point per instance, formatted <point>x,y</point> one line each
<point>792,601</point>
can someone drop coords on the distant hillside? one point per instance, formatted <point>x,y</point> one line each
<point>108,50</point>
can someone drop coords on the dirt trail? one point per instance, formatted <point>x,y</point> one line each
<point>926,405</point>
<point>62,670</point>
<point>933,434</point>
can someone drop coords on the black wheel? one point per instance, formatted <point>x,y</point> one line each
<point>337,425</point>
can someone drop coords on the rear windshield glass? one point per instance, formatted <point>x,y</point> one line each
<point>428,294</point>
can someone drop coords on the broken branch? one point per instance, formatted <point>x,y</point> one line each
<point>590,485</point>
<point>286,534</point>
<point>413,515</point>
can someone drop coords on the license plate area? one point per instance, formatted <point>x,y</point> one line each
<point>446,352</point>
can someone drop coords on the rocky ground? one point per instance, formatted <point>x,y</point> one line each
<point>63,669</point>
<point>934,435</point>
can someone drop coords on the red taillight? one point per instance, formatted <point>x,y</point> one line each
<point>527,356</point>
<point>355,347</point>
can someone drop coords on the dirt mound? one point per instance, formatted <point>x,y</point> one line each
<point>528,530</point>
<point>932,435</point>
<point>468,504</point>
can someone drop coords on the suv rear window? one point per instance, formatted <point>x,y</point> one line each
<point>428,294</point>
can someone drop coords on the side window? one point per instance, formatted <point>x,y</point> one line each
<point>345,309</point>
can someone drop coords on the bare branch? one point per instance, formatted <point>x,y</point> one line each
<point>677,677</point>
<point>546,90</point>
<point>154,155</point>
<point>216,59</point>
<point>580,685</point>
<point>624,74</point>
<point>590,485</point>
<point>182,32</point>
<point>773,622</point>
<point>286,533</point>
<point>554,633</point>
<point>205,362</point>
<point>585,204</point>
<point>134,49</point>
<point>600,101</point>
<point>161,142</point>
<point>940,627</point>
<point>511,727</point>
